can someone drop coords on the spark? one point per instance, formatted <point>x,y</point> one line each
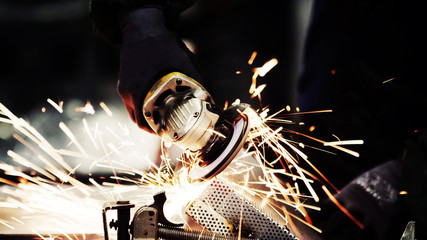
<point>342,208</point>
<point>7,225</point>
<point>19,159</point>
<point>71,136</point>
<point>38,234</point>
<point>258,90</point>
<point>308,112</point>
<point>252,172</point>
<point>355,154</point>
<point>217,133</point>
<point>58,107</point>
<point>252,58</point>
<point>14,218</point>
<point>403,192</point>
<point>347,142</point>
<point>106,109</point>
<point>2,180</point>
<point>262,71</point>
<point>88,108</point>
<point>91,137</point>
<point>386,81</point>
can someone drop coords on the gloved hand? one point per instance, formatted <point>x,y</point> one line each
<point>149,50</point>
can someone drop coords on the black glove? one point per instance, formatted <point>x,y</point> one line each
<point>149,49</point>
<point>149,52</point>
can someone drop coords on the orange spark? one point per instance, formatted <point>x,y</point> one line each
<point>342,208</point>
<point>225,105</point>
<point>403,192</point>
<point>2,180</point>
<point>311,129</point>
<point>252,58</point>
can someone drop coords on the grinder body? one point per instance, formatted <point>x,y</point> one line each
<point>181,111</point>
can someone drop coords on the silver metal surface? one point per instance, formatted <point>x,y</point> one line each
<point>191,124</point>
<point>177,108</point>
<point>221,210</point>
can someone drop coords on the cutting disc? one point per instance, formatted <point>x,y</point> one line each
<point>238,138</point>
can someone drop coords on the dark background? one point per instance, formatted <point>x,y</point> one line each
<point>49,50</point>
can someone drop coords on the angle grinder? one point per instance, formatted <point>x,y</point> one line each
<point>181,111</point>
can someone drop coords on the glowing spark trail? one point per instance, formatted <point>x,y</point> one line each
<point>56,106</point>
<point>262,71</point>
<point>342,208</point>
<point>252,58</point>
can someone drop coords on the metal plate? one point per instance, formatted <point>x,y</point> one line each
<point>220,210</point>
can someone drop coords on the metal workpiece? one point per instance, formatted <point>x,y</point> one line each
<point>149,223</point>
<point>221,210</point>
<point>146,227</point>
<point>145,224</point>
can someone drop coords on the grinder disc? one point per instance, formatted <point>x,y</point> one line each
<point>239,134</point>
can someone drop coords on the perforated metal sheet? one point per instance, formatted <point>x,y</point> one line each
<point>220,210</point>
